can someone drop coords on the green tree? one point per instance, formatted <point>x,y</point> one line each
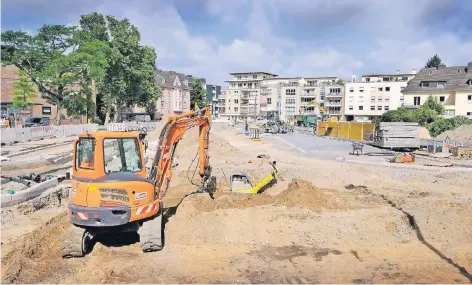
<point>197,95</point>
<point>56,59</point>
<point>434,61</point>
<point>441,125</point>
<point>399,115</point>
<point>23,92</point>
<point>130,76</point>
<point>434,104</point>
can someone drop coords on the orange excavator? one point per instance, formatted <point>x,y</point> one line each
<point>113,193</point>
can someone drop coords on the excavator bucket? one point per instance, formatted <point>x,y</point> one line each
<point>240,183</point>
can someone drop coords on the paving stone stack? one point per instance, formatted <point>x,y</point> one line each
<point>398,135</point>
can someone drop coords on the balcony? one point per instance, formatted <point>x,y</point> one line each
<point>333,104</point>
<point>339,95</point>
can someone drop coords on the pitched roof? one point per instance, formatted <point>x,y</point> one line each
<point>167,78</point>
<point>256,72</point>
<point>456,78</point>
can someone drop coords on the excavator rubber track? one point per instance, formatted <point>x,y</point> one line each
<point>75,243</point>
<point>150,233</point>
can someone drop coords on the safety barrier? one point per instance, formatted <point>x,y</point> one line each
<point>346,130</point>
<point>13,135</point>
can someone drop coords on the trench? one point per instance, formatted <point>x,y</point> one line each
<point>414,225</point>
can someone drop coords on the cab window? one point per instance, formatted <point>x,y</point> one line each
<point>122,155</point>
<point>84,156</point>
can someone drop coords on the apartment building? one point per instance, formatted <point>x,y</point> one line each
<point>243,97</point>
<point>374,95</point>
<point>221,104</point>
<point>175,97</point>
<point>294,95</point>
<point>452,86</point>
<point>213,92</point>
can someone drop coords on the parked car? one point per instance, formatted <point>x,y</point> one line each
<point>36,122</point>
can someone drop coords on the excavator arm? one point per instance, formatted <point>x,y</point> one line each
<point>171,134</point>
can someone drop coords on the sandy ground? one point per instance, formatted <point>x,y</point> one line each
<point>323,222</point>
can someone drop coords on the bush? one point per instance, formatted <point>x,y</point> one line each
<point>442,125</point>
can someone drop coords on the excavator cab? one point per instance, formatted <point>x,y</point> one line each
<point>240,183</point>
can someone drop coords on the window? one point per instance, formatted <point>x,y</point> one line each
<point>351,107</point>
<point>386,79</point>
<point>402,88</point>
<point>402,98</point>
<point>244,84</point>
<point>372,108</point>
<point>387,99</point>
<point>361,98</point>
<point>361,89</point>
<point>450,112</point>
<point>441,99</point>
<point>290,110</point>
<point>290,101</point>
<point>380,89</point>
<point>469,98</point>
<point>290,92</point>
<point>351,89</point>
<point>417,100</point>
<point>85,149</point>
<point>387,88</point>
<point>236,109</point>
<point>240,85</point>
<point>379,99</point>
<point>367,79</point>
<point>361,108</point>
<point>373,89</point>
<point>379,108</point>
<point>254,76</point>
<point>46,110</point>
<point>239,77</point>
<point>122,155</point>
<point>269,101</point>
<point>469,113</point>
<point>236,101</point>
<point>372,98</point>
<point>386,108</point>
<point>404,78</point>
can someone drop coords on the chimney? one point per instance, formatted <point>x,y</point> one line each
<point>398,71</point>
<point>441,66</point>
<point>413,71</point>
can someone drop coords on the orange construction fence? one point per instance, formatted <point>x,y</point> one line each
<point>346,130</point>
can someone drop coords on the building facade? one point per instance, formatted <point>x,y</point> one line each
<point>213,93</point>
<point>243,97</point>
<point>452,86</point>
<point>374,95</point>
<point>175,97</point>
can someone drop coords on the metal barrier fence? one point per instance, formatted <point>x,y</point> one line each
<point>434,146</point>
<point>346,130</point>
<point>14,135</point>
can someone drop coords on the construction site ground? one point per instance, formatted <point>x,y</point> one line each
<point>330,218</point>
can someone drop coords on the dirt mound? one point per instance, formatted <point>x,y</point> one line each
<point>462,133</point>
<point>38,249</point>
<point>299,193</point>
<point>423,133</point>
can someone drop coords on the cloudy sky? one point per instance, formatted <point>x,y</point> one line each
<point>211,38</point>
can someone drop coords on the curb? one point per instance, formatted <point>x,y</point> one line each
<point>32,192</point>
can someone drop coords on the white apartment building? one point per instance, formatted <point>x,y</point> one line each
<point>294,95</point>
<point>374,95</point>
<point>243,97</point>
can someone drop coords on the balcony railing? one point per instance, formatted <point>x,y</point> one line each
<point>334,95</point>
<point>333,104</point>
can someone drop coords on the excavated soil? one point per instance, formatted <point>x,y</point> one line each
<point>461,133</point>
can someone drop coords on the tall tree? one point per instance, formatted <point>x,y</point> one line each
<point>434,61</point>
<point>55,59</point>
<point>23,92</point>
<point>197,95</point>
<point>130,77</point>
